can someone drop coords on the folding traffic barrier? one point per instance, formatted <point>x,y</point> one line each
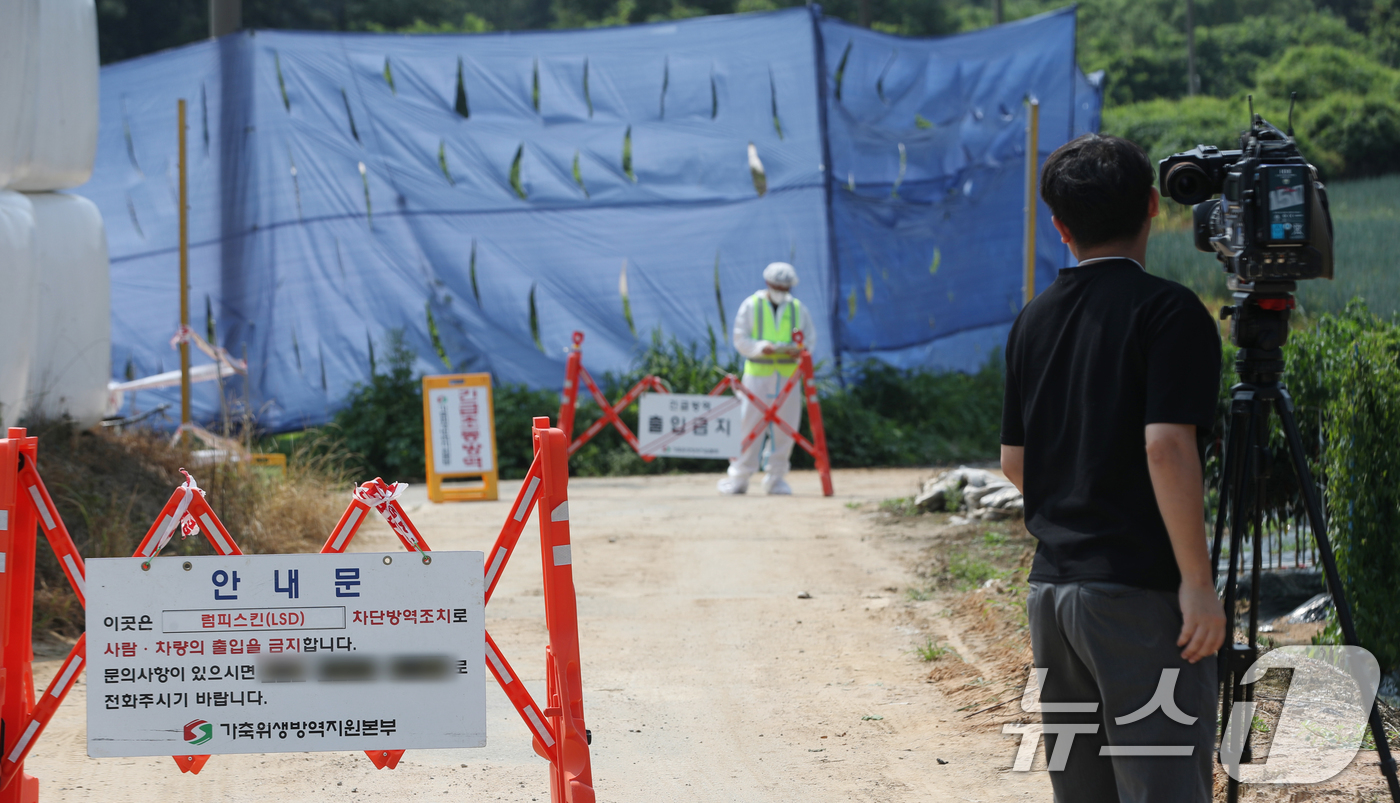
<point>558,730</point>
<point>815,447</point>
<point>574,372</point>
<point>24,504</point>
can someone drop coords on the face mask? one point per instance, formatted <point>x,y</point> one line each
<point>778,297</point>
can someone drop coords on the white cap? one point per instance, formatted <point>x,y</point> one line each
<point>781,274</point>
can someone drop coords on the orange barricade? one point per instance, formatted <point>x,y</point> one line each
<point>574,372</point>
<point>24,503</point>
<point>558,729</point>
<point>815,447</point>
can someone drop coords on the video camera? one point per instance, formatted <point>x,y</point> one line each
<point>1272,221</point>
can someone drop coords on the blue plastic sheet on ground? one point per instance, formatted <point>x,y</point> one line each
<point>487,195</point>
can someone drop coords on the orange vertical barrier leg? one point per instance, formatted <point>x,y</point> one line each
<point>568,402</point>
<point>382,496</point>
<point>501,551</point>
<point>572,776</point>
<point>17,683</point>
<point>814,418</point>
<point>188,513</point>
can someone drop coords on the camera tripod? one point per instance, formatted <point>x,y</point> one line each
<point>1260,327</point>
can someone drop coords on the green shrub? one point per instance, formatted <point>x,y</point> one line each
<point>1319,72</point>
<point>1343,376</point>
<point>515,408</point>
<point>1350,135</point>
<point>381,426</point>
<point>1164,127</point>
<point>883,416</point>
<point>1385,30</point>
<point>1347,121</point>
<point>1230,56</point>
<point>886,416</point>
<point>1362,492</point>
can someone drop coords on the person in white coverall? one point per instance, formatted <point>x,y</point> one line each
<point>763,333</point>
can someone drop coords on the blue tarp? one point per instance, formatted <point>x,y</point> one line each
<point>928,145</point>
<point>490,194</point>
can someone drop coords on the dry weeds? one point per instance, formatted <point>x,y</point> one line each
<point>110,487</point>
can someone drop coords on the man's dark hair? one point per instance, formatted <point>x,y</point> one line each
<point>1098,186</point>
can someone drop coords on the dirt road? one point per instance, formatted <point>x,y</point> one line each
<point>706,677</point>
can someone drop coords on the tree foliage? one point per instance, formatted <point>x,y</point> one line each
<point>1340,56</point>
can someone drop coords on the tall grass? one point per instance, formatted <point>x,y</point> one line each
<point>1366,221</point>
<point>109,488</point>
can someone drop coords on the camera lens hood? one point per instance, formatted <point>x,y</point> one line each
<point>1188,184</point>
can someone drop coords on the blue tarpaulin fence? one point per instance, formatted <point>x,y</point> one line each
<point>487,195</point>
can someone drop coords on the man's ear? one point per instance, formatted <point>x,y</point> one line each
<point>1154,203</point>
<point>1065,236</point>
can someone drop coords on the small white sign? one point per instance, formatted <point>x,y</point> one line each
<point>461,429</point>
<point>285,653</point>
<point>689,425</point>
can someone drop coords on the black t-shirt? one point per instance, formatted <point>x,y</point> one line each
<point>1104,351</point>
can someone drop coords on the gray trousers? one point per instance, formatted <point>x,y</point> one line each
<point>1108,644</point>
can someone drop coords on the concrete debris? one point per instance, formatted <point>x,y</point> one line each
<point>982,494</point>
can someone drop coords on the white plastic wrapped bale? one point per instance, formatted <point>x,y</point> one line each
<point>18,20</point>
<point>48,98</point>
<point>73,350</point>
<point>18,288</point>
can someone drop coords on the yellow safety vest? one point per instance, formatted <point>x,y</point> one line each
<point>773,331</point>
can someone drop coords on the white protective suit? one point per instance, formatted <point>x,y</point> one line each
<point>767,388</point>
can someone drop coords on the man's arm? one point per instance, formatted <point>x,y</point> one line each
<point>744,342</point>
<point>1176,479</point>
<point>1013,465</point>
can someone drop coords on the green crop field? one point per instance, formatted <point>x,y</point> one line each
<point>1366,219</point>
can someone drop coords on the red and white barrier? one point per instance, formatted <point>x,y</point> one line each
<point>558,730</point>
<point>574,373</point>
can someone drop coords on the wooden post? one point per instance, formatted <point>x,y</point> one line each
<point>1032,192</point>
<point>184,277</point>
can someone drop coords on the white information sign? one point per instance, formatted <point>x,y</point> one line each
<point>285,653</point>
<point>461,429</point>
<point>689,425</point>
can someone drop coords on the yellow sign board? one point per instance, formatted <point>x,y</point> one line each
<point>270,462</point>
<point>459,437</point>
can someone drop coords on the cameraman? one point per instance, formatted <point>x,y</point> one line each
<point>1110,373</point>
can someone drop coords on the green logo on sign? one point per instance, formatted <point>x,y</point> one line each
<point>198,731</point>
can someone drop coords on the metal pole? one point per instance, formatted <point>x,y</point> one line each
<point>1032,192</point>
<point>996,11</point>
<point>184,277</point>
